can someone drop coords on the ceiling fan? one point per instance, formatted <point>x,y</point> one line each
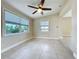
<point>40,7</point>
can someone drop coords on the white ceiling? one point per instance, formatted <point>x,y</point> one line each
<point>68,14</point>
<point>21,5</point>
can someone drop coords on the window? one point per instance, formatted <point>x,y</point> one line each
<point>44,26</point>
<point>15,24</point>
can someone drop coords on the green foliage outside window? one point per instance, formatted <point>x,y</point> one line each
<point>14,28</point>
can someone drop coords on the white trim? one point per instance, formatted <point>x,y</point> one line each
<point>46,38</point>
<point>14,34</point>
<point>6,49</point>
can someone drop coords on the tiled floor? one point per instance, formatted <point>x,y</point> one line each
<point>39,49</point>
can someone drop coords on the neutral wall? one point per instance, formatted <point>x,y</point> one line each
<point>52,27</point>
<point>66,29</point>
<point>73,41</point>
<point>73,44</point>
<point>10,40</point>
<point>58,27</point>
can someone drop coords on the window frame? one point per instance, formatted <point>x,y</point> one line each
<point>44,30</point>
<point>4,23</point>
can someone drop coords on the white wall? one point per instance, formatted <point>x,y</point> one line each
<point>10,40</point>
<point>73,44</point>
<point>56,30</point>
<point>59,27</point>
<point>66,29</point>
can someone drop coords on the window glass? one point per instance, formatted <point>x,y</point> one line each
<point>15,24</point>
<point>12,28</point>
<point>44,26</point>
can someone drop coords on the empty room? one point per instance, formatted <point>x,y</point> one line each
<point>38,29</point>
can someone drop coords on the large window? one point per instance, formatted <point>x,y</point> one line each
<point>44,26</point>
<point>15,24</point>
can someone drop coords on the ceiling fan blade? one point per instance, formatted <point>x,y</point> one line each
<point>42,2</point>
<point>32,6</point>
<point>46,9</point>
<point>34,12</point>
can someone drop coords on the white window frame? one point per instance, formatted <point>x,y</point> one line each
<point>42,25</point>
<point>17,32</point>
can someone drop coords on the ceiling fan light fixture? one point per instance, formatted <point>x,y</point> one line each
<point>40,7</point>
<point>39,10</point>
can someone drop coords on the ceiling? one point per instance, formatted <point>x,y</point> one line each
<point>21,5</point>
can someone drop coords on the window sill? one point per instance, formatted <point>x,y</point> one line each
<point>44,31</point>
<point>14,34</point>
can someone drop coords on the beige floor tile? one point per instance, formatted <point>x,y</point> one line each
<point>39,49</point>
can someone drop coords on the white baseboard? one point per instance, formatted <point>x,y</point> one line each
<point>46,38</point>
<point>6,49</point>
